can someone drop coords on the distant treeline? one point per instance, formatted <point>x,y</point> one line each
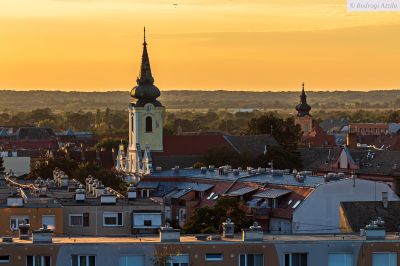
<point>14,101</point>
<point>109,121</point>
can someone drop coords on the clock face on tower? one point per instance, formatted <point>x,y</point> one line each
<point>149,107</point>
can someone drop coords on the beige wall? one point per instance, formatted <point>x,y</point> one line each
<point>35,218</point>
<point>96,226</point>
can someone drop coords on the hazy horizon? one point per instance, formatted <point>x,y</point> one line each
<point>203,90</point>
<point>221,44</point>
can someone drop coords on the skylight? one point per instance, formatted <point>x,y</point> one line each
<point>296,204</point>
<point>211,195</point>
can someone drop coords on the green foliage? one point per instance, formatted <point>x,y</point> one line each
<point>282,158</point>
<point>2,165</point>
<point>198,165</point>
<point>222,156</point>
<point>209,220</point>
<point>283,130</point>
<point>61,101</point>
<point>44,169</point>
<point>110,143</point>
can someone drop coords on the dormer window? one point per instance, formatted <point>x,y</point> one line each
<point>149,124</point>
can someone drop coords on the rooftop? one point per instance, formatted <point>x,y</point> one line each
<point>192,239</point>
<point>256,176</point>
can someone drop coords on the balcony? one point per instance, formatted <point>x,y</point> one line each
<point>262,213</point>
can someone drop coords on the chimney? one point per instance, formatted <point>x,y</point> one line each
<point>15,200</point>
<point>80,194</point>
<point>24,231</point>
<point>228,228</point>
<point>374,230</point>
<point>254,233</point>
<point>396,177</point>
<point>64,181</point>
<point>351,139</point>
<point>131,192</point>
<point>203,170</point>
<point>43,235</point>
<point>169,234</point>
<point>99,190</point>
<point>108,198</point>
<point>385,200</point>
<point>176,169</point>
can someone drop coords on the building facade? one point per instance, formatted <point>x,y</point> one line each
<point>146,115</point>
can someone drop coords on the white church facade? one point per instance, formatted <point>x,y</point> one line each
<point>146,115</point>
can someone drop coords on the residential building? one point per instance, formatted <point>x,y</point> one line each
<point>292,250</point>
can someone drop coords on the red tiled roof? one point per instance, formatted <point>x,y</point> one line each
<point>391,142</point>
<point>192,144</point>
<point>33,144</point>
<point>318,138</point>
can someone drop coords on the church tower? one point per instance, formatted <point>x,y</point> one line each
<point>146,116</point>
<point>303,117</point>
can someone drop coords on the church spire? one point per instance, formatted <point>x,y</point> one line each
<point>303,108</point>
<point>145,91</point>
<point>145,69</point>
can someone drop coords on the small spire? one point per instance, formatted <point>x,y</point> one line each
<point>145,76</point>
<point>144,36</point>
<point>303,86</point>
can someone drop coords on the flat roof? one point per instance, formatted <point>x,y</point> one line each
<point>153,239</point>
<point>241,176</point>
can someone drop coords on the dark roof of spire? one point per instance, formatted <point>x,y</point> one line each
<point>303,108</point>
<point>145,91</point>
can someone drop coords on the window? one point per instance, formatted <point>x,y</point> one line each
<point>86,219</point>
<point>76,220</point>
<point>50,221</point>
<point>17,220</point>
<point>83,260</point>
<point>79,220</point>
<point>112,219</point>
<point>38,260</point>
<point>340,259</point>
<point>296,259</point>
<point>178,260</point>
<point>131,260</point>
<point>145,193</point>
<point>384,259</point>
<point>214,257</point>
<point>149,124</point>
<point>146,220</point>
<point>251,260</point>
<point>4,259</point>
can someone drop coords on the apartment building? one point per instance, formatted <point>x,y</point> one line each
<point>252,248</point>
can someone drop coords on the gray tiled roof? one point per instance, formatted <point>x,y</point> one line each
<point>360,213</point>
<point>382,161</point>
<point>272,193</point>
<point>241,191</point>
<point>253,144</point>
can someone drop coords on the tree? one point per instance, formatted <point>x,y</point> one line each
<point>2,168</point>
<point>209,220</point>
<point>220,156</point>
<point>283,130</point>
<point>110,143</point>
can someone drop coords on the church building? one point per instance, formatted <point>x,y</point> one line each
<point>148,149</point>
<point>146,116</point>
<point>303,117</point>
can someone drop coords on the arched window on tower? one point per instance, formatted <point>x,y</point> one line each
<point>149,124</point>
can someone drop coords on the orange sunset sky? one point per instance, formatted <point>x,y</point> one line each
<point>197,44</point>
